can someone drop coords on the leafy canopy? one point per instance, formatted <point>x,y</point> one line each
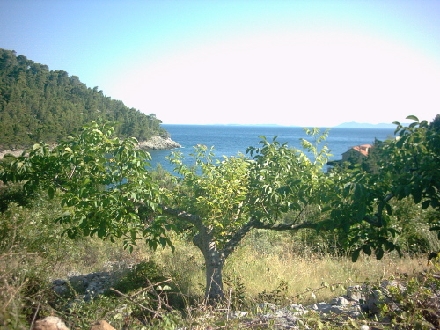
<point>214,190</point>
<point>233,193</point>
<point>106,189</point>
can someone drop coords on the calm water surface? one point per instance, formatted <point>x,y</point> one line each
<point>228,140</point>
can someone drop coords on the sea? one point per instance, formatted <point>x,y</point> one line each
<point>229,140</point>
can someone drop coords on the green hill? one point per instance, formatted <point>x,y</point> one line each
<point>38,104</point>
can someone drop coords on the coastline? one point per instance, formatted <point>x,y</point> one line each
<point>14,153</point>
<point>159,143</point>
<point>155,143</point>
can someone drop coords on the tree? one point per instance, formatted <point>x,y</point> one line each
<point>411,165</point>
<point>104,186</point>
<point>106,190</point>
<point>407,168</point>
<point>220,201</point>
<point>49,105</point>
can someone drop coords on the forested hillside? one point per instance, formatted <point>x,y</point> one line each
<point>41,104</point>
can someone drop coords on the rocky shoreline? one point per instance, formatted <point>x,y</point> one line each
<point>15,152</point>
<point>159,143</point>
<point>155,143</point>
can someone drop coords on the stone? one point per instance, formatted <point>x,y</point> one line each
<point>356,293</point>
<point>268,306</point>
<point>396,284</point>
<point>50,323</point>
<point>337,309</point>
<point>61,288</point>
<point>297,309</point>
<point>86,286</point>
<point>374,299</point>
<point>355,314</point>
<point>158,143</point>
<point>323,307</point>
<point>339,301</point>
<point>102,325</point>
<point>79,283</point>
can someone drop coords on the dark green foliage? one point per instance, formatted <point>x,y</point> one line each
<point>147,281</point>
<point>411,164</point>
<point>435,124</point>
<point>13,194</point>
<point>371,162</point>
<point>104,184</point>
<point>41,105</point>
<point>379,205</point>
<point>413,303</point>
<point>138,277</point>
<point>278,296</point>
<point>236,291</point>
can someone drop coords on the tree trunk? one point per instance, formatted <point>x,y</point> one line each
<point>214,274</point>
<point>214,261</point>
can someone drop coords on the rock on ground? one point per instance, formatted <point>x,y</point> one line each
<point>102,325</point>
<point>50,323</point>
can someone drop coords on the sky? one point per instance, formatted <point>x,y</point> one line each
<point>302,63</point>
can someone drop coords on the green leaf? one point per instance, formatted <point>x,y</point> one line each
<point>164,288</point>
<point>152,244</point>
<point>51,192</point>
<point>163,241</point>
<point>425,204</point>
<point>417,194</point>
<point>389,209</point>
<point>366,249</point>
<point>355,255</point>
<point>379,253</point>
<point>412,117</point>
<point>102,231</point>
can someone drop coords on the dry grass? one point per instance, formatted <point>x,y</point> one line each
<point>265,271</point>
<point>261,273</point>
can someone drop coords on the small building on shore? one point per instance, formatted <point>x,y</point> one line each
<point>353,155</point>
<point>356,153</point>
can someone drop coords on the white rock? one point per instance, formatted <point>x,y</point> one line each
<point>339,301</point>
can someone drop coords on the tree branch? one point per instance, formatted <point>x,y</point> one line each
<point>257,224</point>
<point>237,237</point>
<point>377,219</point>
<point>183,215</point>
<point>287,227</point>
<point>372,220</point>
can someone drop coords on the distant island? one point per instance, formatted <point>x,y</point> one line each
<point>353,124</point>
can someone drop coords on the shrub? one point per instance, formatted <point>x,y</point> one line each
<point>415,302</point>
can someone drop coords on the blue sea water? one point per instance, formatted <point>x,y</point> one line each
<point>228,140</point>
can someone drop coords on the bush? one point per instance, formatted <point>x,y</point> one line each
<point>31,242</point>
<point>140,276</point>
<point>415,302</point>
<point>146,283</point>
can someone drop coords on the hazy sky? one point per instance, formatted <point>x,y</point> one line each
<point>305,63</point>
